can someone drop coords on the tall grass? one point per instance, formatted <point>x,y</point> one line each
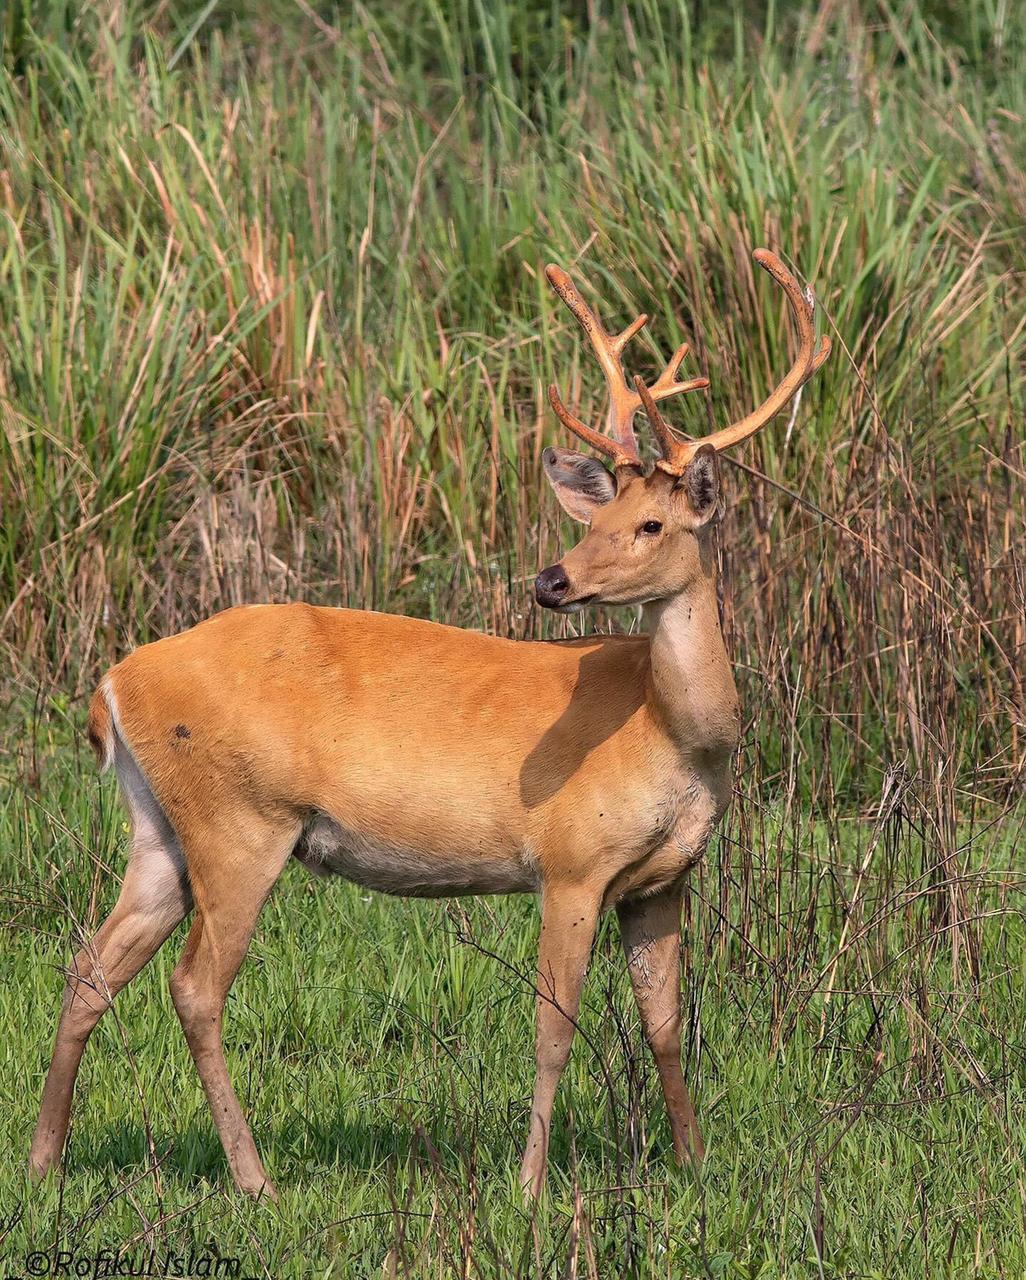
<point>273,325</point>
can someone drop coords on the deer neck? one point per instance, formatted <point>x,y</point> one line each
<point>690,682</point>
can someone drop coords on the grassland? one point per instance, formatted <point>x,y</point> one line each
<point>273,326</point>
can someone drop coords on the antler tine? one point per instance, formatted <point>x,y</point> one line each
<point>621,444</point>
<point>668,443</point>
<point>809,359</point>
<point>666,384</point>
<point>597,441</point>
<point>608,348</point>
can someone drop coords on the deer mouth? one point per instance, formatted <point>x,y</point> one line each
<point>573,606</point>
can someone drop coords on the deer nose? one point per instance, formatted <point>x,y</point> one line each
<point>551,586</point>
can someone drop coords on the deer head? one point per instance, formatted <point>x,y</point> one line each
<point>647,529</point>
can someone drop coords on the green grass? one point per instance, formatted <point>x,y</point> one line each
<point>383,1049</point>
<point>273,325</point>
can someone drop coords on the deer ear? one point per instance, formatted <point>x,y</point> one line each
<point>581,484</point>
<point>700,485</point>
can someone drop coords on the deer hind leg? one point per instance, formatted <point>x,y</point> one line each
<point>569,917</point>
<point>650,930</point>
<point>231,881</point>
<point>154,898</point>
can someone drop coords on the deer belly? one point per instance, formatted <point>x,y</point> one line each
<point>327,847</point>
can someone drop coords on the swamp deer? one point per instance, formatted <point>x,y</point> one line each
<point>419,759</point>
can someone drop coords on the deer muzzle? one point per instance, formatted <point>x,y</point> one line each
<point>552,586</point>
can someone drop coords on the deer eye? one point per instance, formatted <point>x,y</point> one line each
<point>651,526</point>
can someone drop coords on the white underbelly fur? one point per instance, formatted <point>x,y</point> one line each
<point>326,847</point>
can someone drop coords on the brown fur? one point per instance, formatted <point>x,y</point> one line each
<point>99,729</point>
<point>542,755</point>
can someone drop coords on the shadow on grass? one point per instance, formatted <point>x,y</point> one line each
<point>299,1149</point>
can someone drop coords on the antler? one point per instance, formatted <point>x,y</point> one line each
<point>620,443</point>
<point>676,453</point>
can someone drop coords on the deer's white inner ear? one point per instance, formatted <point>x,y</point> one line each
<point>581,483</point>
<point>701,484</point>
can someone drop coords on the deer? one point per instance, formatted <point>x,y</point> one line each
<point>419,759</point>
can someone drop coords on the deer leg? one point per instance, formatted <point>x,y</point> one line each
<point>650,930</point>
<point>154,898</point>
<point>228,901</point>
<point>568,924</point>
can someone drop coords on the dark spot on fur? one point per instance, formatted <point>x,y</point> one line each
<point>181,731</point>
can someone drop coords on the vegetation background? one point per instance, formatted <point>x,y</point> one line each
<point>273,326</point>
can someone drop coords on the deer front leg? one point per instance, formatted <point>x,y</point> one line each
<point>650,931</point>
<point>569,916</point>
